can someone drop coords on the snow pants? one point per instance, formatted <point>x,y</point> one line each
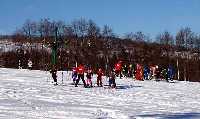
<point>119,73</point>
<point>99,81</point>
<point>74,77</point>
<point>89,82</point>
<point>80,76</point>
<point>112,83</point>
<point>54,78</point>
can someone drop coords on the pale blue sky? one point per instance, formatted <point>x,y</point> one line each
<point>149,16</point>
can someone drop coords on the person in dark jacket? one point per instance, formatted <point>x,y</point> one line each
<point>112,82</point>
<point>74,74</point>
<point>53,72</point>
<point>99,77</point>
<point>89,78</point>
<point>146,72</point>
<point>170,72</point>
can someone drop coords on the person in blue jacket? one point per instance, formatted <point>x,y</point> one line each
<point>146,72</point>
<point>170,72</point>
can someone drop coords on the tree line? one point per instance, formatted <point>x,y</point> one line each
<point>84,41</point>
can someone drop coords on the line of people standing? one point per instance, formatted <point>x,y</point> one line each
<point>78,73</point>
<point>136,71</point>
<point>145,72</point>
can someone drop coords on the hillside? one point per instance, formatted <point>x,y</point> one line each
<point>31,95</point>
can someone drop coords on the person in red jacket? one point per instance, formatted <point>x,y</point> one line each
<point>118,68</point>
<point>139,72</point>
<point>80,71</point>
<point>99,77</point>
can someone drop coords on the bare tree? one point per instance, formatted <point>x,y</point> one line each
<point>165,38</point>
<point>93,29</point>
<point>80,28</point>
<point>44,28</point>
<point>107,31</point>
<point>129,36</point>
<point>29,29</point>
<point>184,38</point>
<point>139,36</point>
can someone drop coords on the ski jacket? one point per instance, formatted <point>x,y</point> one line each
<point>112,76</point>
<point>74,69</point>
<point>53,72</point>
<point>99,73</point>
<point>89,75</point>
<point>118,67</point>
<point>80,69</point>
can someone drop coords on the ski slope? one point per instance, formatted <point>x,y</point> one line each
<point>26,94</point>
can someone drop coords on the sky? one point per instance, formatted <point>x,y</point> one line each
<point>150,16</point>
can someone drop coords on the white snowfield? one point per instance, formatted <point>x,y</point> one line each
<point>26,94</point>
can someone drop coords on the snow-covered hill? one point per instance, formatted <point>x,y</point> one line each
<point>31,95</point>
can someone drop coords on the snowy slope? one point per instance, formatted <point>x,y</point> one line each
<point>28,94</point>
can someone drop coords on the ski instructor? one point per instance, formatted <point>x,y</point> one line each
<point>80,71</point>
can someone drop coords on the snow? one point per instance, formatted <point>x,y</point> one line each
<point>26,94</point>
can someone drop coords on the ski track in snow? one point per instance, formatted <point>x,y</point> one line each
<point>31,95</point>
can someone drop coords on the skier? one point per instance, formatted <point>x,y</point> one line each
<point>125,70</point>
<point>170,73</point>
<point>164,74</point>
<point>146,72</point>
<point>99,77</point>
<point>74,74</point>
<point>80,71</point>
<point>53,71</point>
<point>131,70</point>
<point>157,73</point>
<point>139,73</point>
<point>112,83</point>
<point>89,78</point>
<point>152,72</point>
<point>118,68</point>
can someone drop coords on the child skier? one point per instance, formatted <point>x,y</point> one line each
<point>157,73</point>
<point>146,72</point>
<point>164,74</point>
<point>152,72</point>
<point>125,70</point>
<point>74,74</point>
<point>131,70</point>
<point>139,73</point>
<point>99,77</point>
<point>112,83</point>
<point>170,73</point>
<point>89,78</point>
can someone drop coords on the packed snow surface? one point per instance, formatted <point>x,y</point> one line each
<point>26,94</point>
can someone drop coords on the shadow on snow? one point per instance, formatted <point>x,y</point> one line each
<point>170,116</point>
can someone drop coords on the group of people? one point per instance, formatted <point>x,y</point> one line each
<point>136,71</point>
<point>146,72</point>
<point>78,73</point>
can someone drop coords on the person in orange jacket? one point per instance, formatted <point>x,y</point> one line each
<point>80,71</point>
